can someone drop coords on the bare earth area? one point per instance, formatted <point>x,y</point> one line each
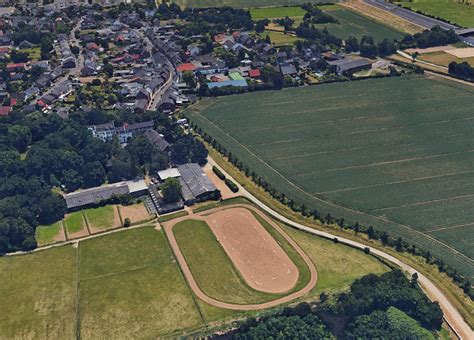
<point>135,212</point>
<point>444,48</point>
<point>462,52</point>
<point>223,188</point>
<point>168,228</point>
<point>259,258</point>
<point>61,236</point>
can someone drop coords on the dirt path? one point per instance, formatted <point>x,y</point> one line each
<point>451,314</point>
<point>168,228</point>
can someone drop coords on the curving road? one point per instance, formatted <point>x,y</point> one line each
<point>168,228</point>
<point>451,314</point>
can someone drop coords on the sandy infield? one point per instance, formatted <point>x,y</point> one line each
<point>462,52</point>
<point>259,258</point>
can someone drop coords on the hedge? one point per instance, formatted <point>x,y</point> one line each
<point>218,173</point>
<point>232,186</point>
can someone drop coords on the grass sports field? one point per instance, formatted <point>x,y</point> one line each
<point>351,23</point>
<point>451,10</point>
<point>242,3</point>
<point>395,153</point>
<point>128,284</point>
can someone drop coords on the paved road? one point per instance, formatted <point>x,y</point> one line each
<point>168,228</point>
<point>413,17</point>
<point>451,314</point>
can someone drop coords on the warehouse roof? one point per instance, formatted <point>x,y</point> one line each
<point>194,181</point>
<point>95,195</point>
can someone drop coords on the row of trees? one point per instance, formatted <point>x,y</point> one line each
<point>398,243</point>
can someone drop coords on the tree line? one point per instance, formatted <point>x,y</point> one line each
<point>398,243</point>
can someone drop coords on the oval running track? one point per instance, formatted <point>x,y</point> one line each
<point>168,228</point>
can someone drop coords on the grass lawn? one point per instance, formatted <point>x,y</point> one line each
<point>102,217</point>
<point>353,24</point>
<point>74,222</point>
<point>280,39</point>
<point>337,265</point>
<point>403,165</point>
<point>46,234</point>
<point>38,294</point>
<point>34,53</point>
<point>131,286</point>
<point>212,269</point>
<point>276,12</point>
<point>443,58</point>
<point>450,10</point>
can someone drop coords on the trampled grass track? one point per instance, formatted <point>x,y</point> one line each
<point>361,146</point>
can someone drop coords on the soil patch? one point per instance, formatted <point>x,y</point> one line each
<point>220,184</point>
<point>260,260</point>
<point>135,212</point>
<point>462,52</point>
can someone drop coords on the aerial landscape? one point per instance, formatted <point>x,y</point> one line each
<point>236,169</point>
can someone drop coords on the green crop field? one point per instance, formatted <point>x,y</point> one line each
<point>280,39</point>
<point>353,24</point>
<point>242,3</point>
<point>276,12</point>
<point>395,153</point>
<point>461,13</point>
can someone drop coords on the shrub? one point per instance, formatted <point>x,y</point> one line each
<point>232,186</point>
<point>126,222</point>
<point>218,173</point>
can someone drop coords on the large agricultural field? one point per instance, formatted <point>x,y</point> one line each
<point>455,11</point>
<point>394,153</point>
<point>243,3</point>
<point>353,24</point>
<point>128,284</point>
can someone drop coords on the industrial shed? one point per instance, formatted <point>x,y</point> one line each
<point>195,185</point>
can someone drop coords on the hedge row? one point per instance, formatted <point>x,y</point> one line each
<point>218,173</point>
<point>399,244</point>
<point>232,186</point>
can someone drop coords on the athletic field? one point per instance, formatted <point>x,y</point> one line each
<point>395,153</point>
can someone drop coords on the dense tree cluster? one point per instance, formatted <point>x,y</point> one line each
<point>391,289</point>
<point>287,327</point>
<point>41,152</point>
<point>317,16</point>
<point>392,323</point>
<point>428,38</point>
<point>462,70</point>
<point>212,20</point>
<point>322,37</point>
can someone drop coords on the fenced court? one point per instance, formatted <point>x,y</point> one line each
<point>395,153</point>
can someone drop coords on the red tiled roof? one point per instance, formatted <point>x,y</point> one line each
<point>19,65</point>
<point>4,49</point>
<point>219,37</point>
<point>5,110</point>
<point>254,73</point>
<point>186,67</point>
<point>13,101</point>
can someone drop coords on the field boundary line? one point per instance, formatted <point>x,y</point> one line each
<point>395,182</point>
<point>78,307</point>
<point>450,227</point>
<point>354,211</point>
<point>423,202</point>
<point>131,269</point>
<point>86,221</point>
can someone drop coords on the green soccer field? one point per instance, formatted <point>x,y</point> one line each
<point>395,153</point>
